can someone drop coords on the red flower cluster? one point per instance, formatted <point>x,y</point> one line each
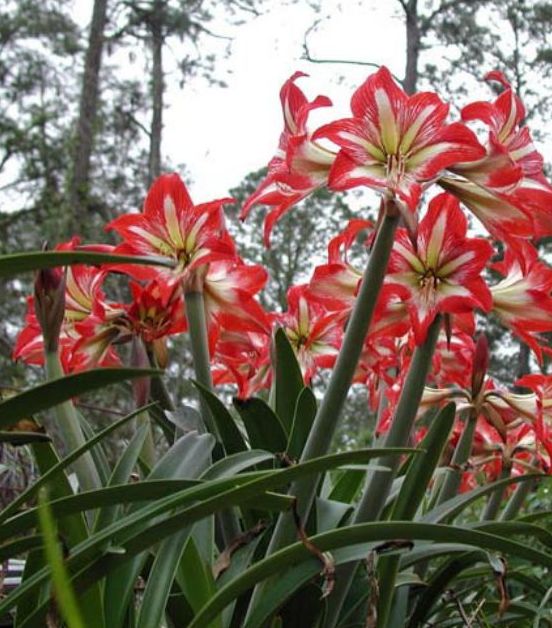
<point>400,146</point>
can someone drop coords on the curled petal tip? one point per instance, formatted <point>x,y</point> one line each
<point>498,76</point>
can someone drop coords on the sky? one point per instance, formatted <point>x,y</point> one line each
<point>221,134</point>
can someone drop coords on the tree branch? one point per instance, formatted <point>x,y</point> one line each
<point>308,56</point>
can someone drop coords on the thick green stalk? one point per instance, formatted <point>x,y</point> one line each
<point>517,499</point>
<point>147,454</point>
<point>379,483</point>
<point>327,417</point>
<point>69,426</point>
<point>197,328</point>
<point>493,504</point>
<point>451,484</point>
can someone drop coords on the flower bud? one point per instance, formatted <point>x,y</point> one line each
<point>49,304</point>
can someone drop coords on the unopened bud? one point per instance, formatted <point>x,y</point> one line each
<point>480,364</point>
<point>49,304</point>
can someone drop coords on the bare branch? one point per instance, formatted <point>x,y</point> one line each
<point>137,123</point>
<point>308,56</point>
<point>203,29</point>
<point>245,7</point>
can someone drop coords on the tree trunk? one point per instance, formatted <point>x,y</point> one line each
<point>157,88</point>
<point>523,365</point>
<point>84,137</point>
<point>413,37</point>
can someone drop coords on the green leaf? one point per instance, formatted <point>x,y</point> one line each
<point>236,463</point>
<point>200,588</point>
<point>330,514</point>
<point>102,498</point>
<point>92,560</point>
<point>510,528</point>
<point>186,459</point>
<point>232,439</point>
<point>421,468</point>
<point>347,486</point>
<point>22,262</point>
<point>288,380</point>
<point>454,506</point>
<point>162,573</point>
<point>296,565</point>
<point>72,529</point>
<point>66,600</point>
<point>303,418</point>
<point>263,426</point>
<point>56,391</point>
<point>34,561</point>
<point>121,474</point>
<point>440,581</point>
<point>99,459</point>
<point>54,467</point>
<point>543,609</point>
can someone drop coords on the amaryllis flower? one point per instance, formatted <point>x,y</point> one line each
<point>506,189</point>
<point>156,312</point>
<point>504,118</point>
<point>243,358</point>
<point>229,289</point>
<point>314,333</point>
<point>441,272</point>
<point>336,284</point>
<point>522,300</point>
<point>396,143</point>
<point>452,359</point>
<point>541,385</point>
<point>300,166</point>
<point>172,226</point>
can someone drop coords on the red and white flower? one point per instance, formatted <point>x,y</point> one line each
<point>395,143</point>
<point>314,333</point>
<point>441,271</point>
<point>522,300</point>
<point>171,226</point>
<point>300,165</point>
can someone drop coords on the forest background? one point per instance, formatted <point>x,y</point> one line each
<point>98,98</point>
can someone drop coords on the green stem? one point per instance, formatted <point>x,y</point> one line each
<point>493,504</point>
<point>451,484</point>
<point>71,431</point>
<point>327,417</point>
<point>197,328</point>
<point>379,483</point>
<point>516,500</point>
<point>158,389</point>
<point>148,448</point>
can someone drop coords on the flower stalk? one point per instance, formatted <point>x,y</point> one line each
<point>195,312</point>
<point>327,417</point>
<point>67,420</point>
<point>460,457</point>
<point>379,483</point>
<point>495,500</point>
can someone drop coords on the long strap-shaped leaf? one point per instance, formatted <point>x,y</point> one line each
<point>284,560</point>
<point>59,390</point>
<point>63,464</point>
<point>21,262</point>
<point>206,500</point>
